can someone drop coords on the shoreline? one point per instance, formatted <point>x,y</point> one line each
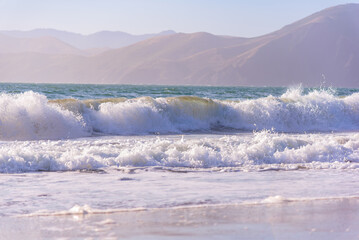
<point>312,219</point>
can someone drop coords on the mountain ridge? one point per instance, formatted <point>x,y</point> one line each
<point>101,39</point>
<point>322,47</point>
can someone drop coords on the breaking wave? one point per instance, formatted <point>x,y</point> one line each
<point>259,151</point>
<point>31,116</point>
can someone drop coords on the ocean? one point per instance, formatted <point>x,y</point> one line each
<point>68,149</point>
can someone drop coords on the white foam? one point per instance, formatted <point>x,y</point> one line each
<point>78,210</point>
<point>260,151</point>
<point>278,199</point>
<point>82,210</point>
<point>317,111</point>
<point>30,116</point>
<point>274,200</point>
<point>294,112</point>
<point>140,116</point>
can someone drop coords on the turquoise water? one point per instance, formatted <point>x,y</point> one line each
<point>87,91</point>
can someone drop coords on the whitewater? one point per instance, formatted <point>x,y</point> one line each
<point>178,131</point>
<point>79,149</point>
<point>31,116</point>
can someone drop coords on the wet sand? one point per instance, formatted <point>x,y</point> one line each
<point>315,219</point>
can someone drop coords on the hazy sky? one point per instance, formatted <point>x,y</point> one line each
<point>226,17</point>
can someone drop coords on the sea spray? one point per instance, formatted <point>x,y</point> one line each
<point>31,116</point>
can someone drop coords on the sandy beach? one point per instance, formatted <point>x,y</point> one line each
<point>311,219</point>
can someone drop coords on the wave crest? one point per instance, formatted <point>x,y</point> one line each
<point>31,115</point>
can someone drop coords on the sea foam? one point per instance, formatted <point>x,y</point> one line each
<point>259,151</point>
<point>31,116</point>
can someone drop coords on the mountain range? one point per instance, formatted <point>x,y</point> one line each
<point>103,39</point>
<point>321,48</point>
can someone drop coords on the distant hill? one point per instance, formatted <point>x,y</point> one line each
<point>98,40</point>
<point>47,45</point>
<point>323,47</point>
